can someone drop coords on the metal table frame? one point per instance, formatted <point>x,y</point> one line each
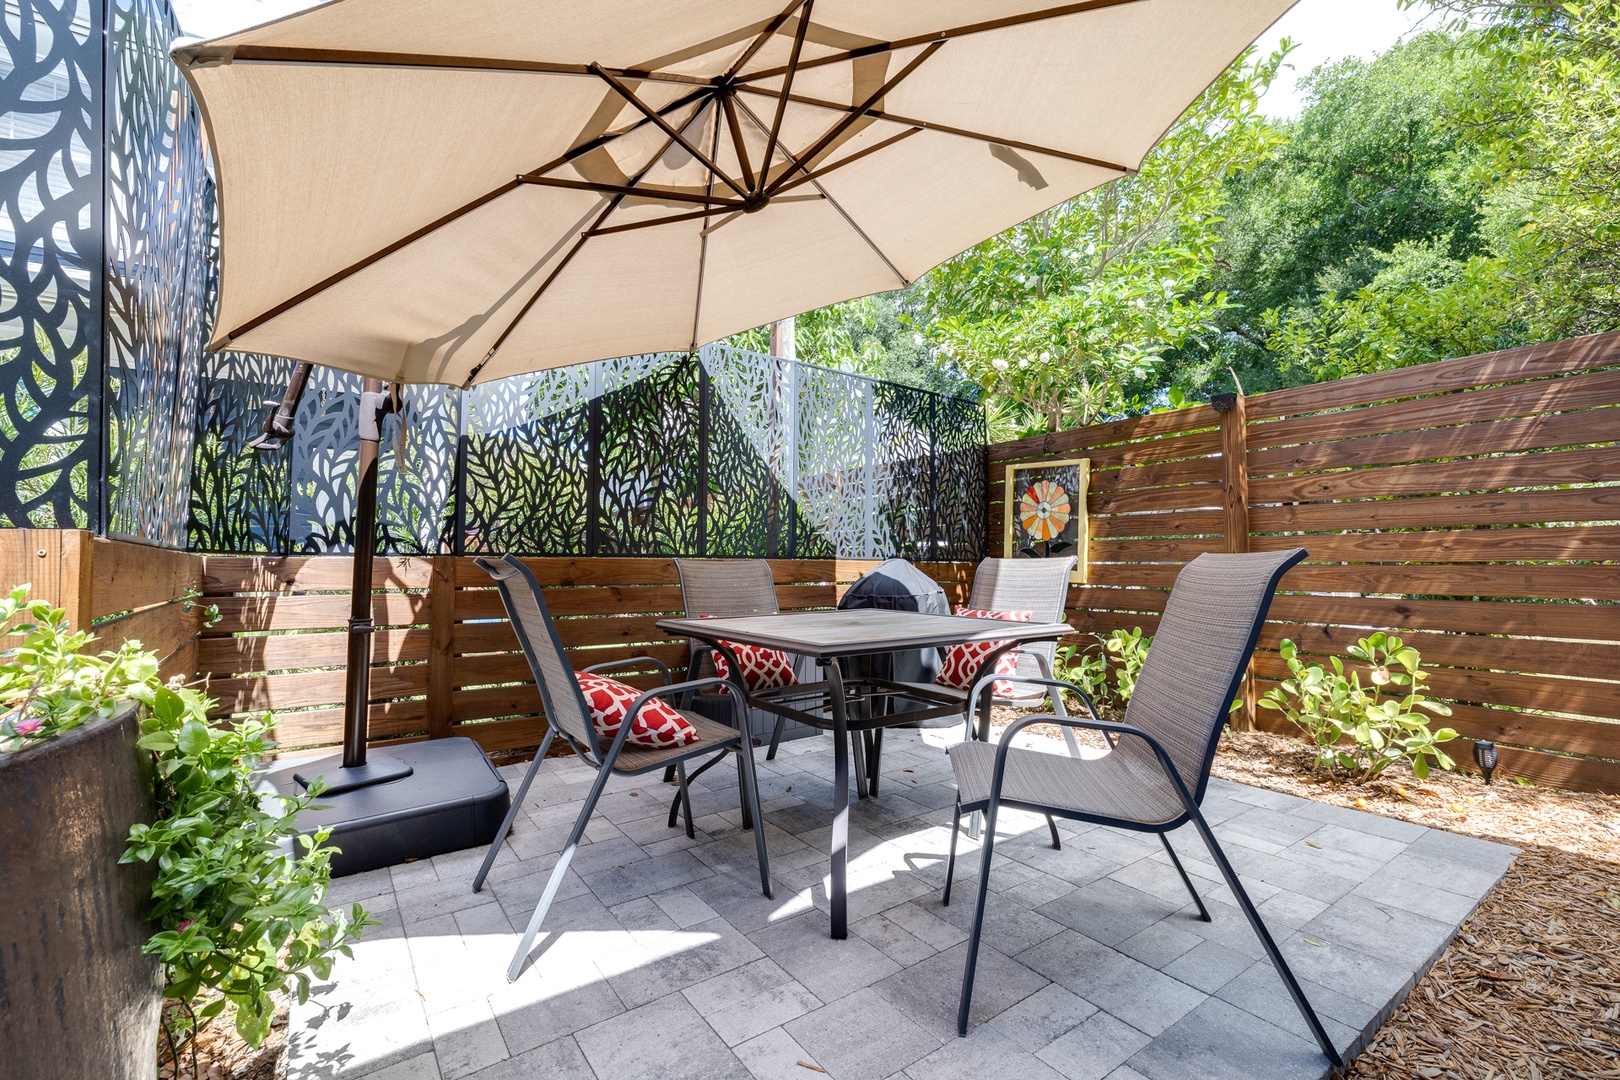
<point>856,704</point>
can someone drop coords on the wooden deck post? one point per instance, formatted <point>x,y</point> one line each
<point>1235,504</point>
<point>441,626</point>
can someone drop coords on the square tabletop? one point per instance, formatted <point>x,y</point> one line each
<point>826,634</point>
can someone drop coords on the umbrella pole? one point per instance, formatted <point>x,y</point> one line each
<point>375,403</point>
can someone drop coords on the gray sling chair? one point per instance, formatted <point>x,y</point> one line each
<point>568,715</point>
<point>719,588</point>
<point>1154,777</point>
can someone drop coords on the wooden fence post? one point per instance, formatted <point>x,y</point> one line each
<point>441,627</point>
<point>1235,503</point>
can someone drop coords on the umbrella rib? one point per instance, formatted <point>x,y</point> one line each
<point>764,35</point>
<point>946,129</point>
<point>292,54</point>
<point>703,247</point>
<point>877,48</point>
<point>736,142</point>
<point>669,194</point>
<point>805,160</point>
<point>895,270</point>
<point>439,223</point>
<point>613,204</point>
<point>787,88</point>
<point>671,220</point>
<point>841,162</point>
<point>668,129</point>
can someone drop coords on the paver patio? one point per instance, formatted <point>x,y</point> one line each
<point>662,960</point>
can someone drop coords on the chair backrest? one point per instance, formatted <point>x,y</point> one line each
<point>565,705</point>
<point>717,588</point>
<point>1199,654</point>
<point>1038,586</point>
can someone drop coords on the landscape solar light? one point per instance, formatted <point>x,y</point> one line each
<point>1485,757</point>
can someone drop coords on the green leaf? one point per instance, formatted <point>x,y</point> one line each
<point>193,737</point>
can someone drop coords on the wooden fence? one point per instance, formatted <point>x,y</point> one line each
<point>123,591</point>
<point>446,660</point>
<point>1470,505</point>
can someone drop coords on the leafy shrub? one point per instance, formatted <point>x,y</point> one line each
<point>238,895</point>
<point>48,685</point>
<point>239,892</point>
<point>1359,730</point>
<point>1129,649</point>
<point>1119,654</point>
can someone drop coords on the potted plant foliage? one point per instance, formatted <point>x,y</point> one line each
<point>138,862</point>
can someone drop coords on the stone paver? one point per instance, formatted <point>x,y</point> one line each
<point>662,959</point>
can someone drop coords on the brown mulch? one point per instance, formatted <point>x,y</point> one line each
<point>221,1054</point>
<point>1530,988</point>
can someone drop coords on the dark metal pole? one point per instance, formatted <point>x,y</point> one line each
<point>375,403</point>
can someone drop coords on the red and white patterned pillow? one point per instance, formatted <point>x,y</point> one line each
<point>962,662</point>
<point>657,726</point>
<point>762,668</point>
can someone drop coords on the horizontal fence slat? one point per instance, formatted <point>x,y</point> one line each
<point>1543,432</point>
<point>1443,511</point>
<point>1435,478</point>
<point>1136,430</point>
<point>226,574</point>
<point>1594,543</point>
<point>323,612</point>
<point>126,576</point>
<point>1510,365</point>
<point>275,652</point>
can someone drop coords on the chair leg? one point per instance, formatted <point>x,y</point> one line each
<point>1051,823</point>
<point>675,803</point>
<point>515,968</point>
<point>776,738</point>
<point>1203,912</point>
<point>512,812</point>
<point>684,795</point>
<point>1260,931</point>
<point>978,920</point>
<point>857,741</point>
<point>750,783</point>
<point>950,860</point>
<point>872,765</point>
<point>669,777</point>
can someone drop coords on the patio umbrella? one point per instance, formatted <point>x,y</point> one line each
<point>435,192</point>
<point>448,193</point>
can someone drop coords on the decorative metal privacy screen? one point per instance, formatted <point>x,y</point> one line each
<point>114,419</point>
<point>723,453</point>
<point>105,225</point>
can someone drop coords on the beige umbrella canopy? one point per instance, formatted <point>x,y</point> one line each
<point>455,192</point>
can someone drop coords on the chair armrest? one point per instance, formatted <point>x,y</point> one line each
<point>1108,727</point>
<point>987,681</point>
<point>639,661</point>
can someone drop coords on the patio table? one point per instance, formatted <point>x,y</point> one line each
<point>855,705</point>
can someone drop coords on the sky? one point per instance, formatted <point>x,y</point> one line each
<point>1324,30</point>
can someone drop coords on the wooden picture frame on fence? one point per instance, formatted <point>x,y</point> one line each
<point>1046,512</point>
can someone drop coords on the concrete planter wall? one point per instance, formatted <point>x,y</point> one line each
<point>78,999</point>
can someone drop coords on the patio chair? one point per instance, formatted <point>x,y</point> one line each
<point>568,714</point>
<point>1154,776</point>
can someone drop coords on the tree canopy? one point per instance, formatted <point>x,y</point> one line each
<point>1452,195</point>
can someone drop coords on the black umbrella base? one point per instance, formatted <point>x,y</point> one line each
<point>447,797</point>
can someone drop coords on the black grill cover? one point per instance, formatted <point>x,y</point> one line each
<point>899,586</point>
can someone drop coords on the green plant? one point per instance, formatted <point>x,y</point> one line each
<point>48,685</point>
<point>1129,650</point>
<point>239,891</point>
<point>1359,730</point>
<point>238,895</point>
<point>1088,670</point>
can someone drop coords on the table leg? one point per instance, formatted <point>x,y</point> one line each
<point>859,750</point>
<point>840,823</point>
